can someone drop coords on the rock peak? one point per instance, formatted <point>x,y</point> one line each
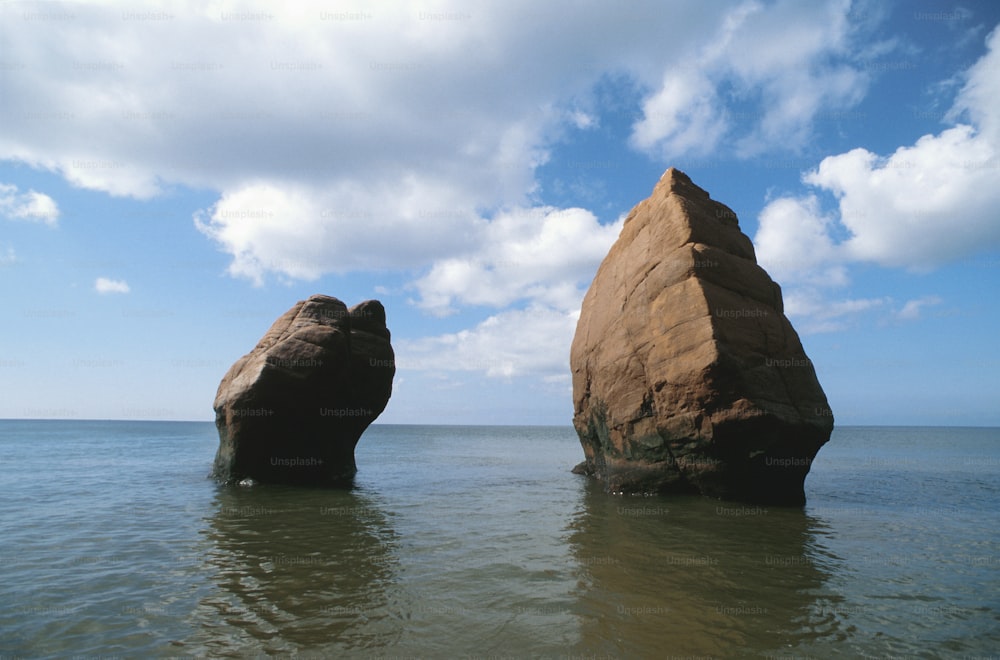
<point>674,181</point>
<point>672,176</point>
<point>687,376</point>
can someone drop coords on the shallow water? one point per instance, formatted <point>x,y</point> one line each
<point>478,541</point>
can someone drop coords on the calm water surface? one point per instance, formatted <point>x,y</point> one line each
<point>478,542</point>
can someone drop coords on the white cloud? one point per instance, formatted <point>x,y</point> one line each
<point>684,117</point>
<point>545,255</point>
<point>512,343</point>
<point>304,231</point>
<point>793,243</point>
<point>104,285</point>
<point>786,78</point>
<point>926,204</point>
<point>911,310</point>
<point>32,206</point>
<point>583,120</point>
<point>301,97</point>
<point>815,312</point>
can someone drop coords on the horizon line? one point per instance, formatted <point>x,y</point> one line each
<point>569,424</point>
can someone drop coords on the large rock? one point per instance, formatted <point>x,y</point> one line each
<point>293,408</point>
<point>687,376</point>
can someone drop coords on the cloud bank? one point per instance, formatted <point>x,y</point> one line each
<point>389,137</point>
<point>326,133</point>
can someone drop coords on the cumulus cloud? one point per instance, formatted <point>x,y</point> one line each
<point>793,243</point>
<point>924,205</point>
<point>512,343</point>
<point>685,116</point>
<point>104,285</point>
<point>785,78</point>
<point>931,202</point>
<point>543,254</point>
<point>31,205</point>
<point>301,94</point>
<point>302,232</point>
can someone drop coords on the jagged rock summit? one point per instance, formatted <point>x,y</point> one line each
<point>687,376</point>
<point>293,409</point>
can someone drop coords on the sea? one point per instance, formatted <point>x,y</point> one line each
<point>478,542</point>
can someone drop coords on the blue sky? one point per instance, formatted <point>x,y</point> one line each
<point>173,178</point>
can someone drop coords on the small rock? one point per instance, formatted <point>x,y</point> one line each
<point>293,409</point>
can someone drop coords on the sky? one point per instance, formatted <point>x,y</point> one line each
<point>175,176</point>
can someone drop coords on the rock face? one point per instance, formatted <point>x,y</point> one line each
<point>687,376</point>
<point>293,408</point>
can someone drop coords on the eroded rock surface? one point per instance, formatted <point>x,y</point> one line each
<point>687,376</point>
<point>293,409</point>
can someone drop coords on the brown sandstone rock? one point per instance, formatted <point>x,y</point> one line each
<point>687,376</point>
<point>293,409</point>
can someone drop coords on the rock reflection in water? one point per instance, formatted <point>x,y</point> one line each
<point>690,575</point>
<point>298,569</point>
